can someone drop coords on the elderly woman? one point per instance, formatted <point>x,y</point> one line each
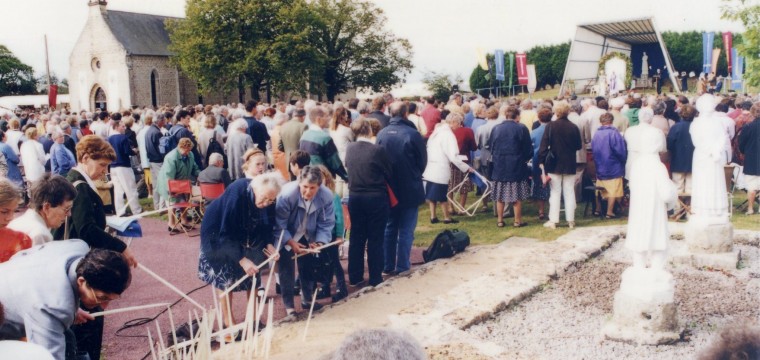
<point>511,147</point>
<point>11,159</point>
<point>466,143</point>
<point>442,150</point>
<point>61,159</point>
<point>237,234</point>
<point>557,156</point>
<point>179,164</point>
<point>13,241</point>
<point>540,190</point>
<point>88,222</point>
<point>32,156</point>
<point>368,203</point>
<point>51,202</point>
<point>238,142</point>
<point>209,132</point>
<point>306,217</point>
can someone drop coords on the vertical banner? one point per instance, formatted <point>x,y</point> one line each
<point>52,95</point>
<point>738,70</point>
<point>498,58</point>
<point>715,56</point>
<point>482,60</point>
<point>707,45</point>
<point>509,70</point>
<point>522,68</point>
<point>531,69</point>
<point>728,45</point>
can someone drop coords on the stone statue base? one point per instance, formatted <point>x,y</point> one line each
<point>710,244</point>
<point>644,309</point>
<point>709,235</point>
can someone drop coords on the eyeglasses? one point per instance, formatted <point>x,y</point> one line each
<point>102,298</point>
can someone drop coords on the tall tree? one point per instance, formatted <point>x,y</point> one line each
<point>358,49</point>
<point>439,84</point>
<point>16,78</point>
<point>749,15</point>
<point>262,42</point>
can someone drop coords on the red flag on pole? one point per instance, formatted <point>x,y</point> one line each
<point>522,68</point>
<point>728,44</point>
<point>52,95</point>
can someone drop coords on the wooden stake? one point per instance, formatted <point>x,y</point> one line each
<point>150,342</point>
<point>171,323</point>
<point>308,320</point>
<point>132,308</point>
<point>316,250</point>
<point>257,267</point>
<point>169,285</point>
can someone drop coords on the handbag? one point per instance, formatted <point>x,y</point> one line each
<point>551,160</point>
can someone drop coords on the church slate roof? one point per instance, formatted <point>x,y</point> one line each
<point>140,34</point>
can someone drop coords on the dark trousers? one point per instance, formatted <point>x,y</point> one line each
<point>89,336</point>
<point>340,276</point>
<point>286,268</point>
<point>369,214</point>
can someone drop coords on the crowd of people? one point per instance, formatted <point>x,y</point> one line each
<point>289,171</point>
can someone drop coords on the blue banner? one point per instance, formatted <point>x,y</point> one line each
<point>737,69</point>
<point>499,63</point>
<point>707,49</point>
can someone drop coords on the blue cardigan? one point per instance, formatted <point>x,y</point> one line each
<point>231,221</point>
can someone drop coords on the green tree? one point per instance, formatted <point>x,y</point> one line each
<point>749,15</point>
<point>16,78</point>
<point>550,61</point>
<point>685,49</point>
<point>439,84</point>
<point>480,79</point>
<point>222,43</point>
<point>357,48</point>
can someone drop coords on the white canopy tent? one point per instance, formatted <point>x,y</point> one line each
<point>37,101</point>
<point>593,41</point>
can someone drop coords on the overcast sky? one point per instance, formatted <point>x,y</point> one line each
<point>444,33</point>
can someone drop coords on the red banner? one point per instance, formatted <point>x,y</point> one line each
<point>728,44</point>
<point>52,95</point>
<point>522,68</point>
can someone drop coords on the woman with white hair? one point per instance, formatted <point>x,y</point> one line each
<point>279,158</point>
<point>237,235</point>
<point>238,142</point>
<point>61,159</point>
<point>442,150</point>
<point>32,156</point>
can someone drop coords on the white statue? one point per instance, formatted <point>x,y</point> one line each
<point>645,66</point>
<point>644,310</point>
<point>602,84</point>
<point>612,83</point>
<point>652,194</point>
<point>709,199</point>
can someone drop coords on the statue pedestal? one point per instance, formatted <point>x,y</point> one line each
<point>644,311</point>
<point>710,244</point>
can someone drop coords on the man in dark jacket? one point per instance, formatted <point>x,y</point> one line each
<point>610,155</point>
<point>406,151</point>
<point>561,139</point>
<point>378,111</point>
<point>215,173</point>
<point>155,158</point>
<point>682,151</point>
<point>256,129</point>
<point>749,145</point>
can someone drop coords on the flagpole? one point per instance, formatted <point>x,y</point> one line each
<point>47,64</point>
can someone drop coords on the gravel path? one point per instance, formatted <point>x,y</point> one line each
<point>565,319</point>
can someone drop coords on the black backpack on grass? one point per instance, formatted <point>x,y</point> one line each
<point>446,244</point>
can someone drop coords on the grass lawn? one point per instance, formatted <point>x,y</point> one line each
<point>482,227</point>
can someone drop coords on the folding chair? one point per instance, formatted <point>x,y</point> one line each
<point>184,208</point>
<point>479,181</point>
<point>210,192</point>
<point>684,201</point>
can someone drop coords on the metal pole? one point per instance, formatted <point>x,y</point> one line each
<point>47,64</point>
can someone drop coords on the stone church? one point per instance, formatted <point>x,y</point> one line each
<point>121,60</point>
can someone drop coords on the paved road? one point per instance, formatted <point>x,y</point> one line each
<point>176,259</point>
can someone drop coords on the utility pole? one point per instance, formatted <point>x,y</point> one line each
<point>47,64</point>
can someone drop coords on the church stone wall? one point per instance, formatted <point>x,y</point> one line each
<point>166,81</point>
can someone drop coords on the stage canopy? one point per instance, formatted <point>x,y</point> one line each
<point>632,38</point>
